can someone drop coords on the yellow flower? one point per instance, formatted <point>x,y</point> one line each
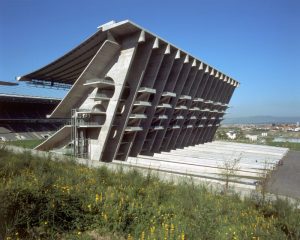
<point>182,236</point>
<point>152,230</point>
<point>45,222</point>
<point>79,233</point>
<point>172,227</point>
<point>143,235</point>
<point>89,207</point>
<point>129,237</point>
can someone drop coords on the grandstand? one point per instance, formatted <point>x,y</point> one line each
<point>24,117</point>
<point>135,99</point>
<point>132,93</point>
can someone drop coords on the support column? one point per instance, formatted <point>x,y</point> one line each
<point>159,77</point>
<point>135,74</point>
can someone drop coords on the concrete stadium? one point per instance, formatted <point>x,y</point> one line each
<point>137,100</point>
<point>131,93</point>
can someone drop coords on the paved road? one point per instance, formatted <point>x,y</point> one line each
<point>286,179</point>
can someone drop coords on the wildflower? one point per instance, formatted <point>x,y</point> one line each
<point>120,203</point>
<point>89,207</point>
<point>143,235</point>
<point>104,216</point>
<point>152,230</point>
<point>129,237</point>
<point>182,235</point>
<point>166,227</point>
<point>79,233</point>
<point>172,228</point>
<point>45,222</point>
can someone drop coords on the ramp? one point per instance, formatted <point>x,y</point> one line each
<point>59,139</point>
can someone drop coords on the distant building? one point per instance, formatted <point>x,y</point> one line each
<point>231,135</point>
<point>264,134</point>
<point>252,138</point>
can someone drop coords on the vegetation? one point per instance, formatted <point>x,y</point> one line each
<point>45,199</point>
<point>221,135</point>
<point>26,143</point>
<point>229,170</point>
<point>240,138</point>
<point>290,145</point>
<point>265,179</point>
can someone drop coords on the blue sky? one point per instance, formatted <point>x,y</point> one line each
<point>256,42</point>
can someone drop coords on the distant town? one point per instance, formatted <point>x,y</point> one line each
<point>274,134</point>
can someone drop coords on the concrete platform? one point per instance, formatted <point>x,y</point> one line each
<point>206,161</point>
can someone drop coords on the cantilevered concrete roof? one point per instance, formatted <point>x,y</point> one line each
<point>133,93</point>
<point>66,69</point>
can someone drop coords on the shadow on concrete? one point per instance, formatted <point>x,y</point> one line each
<point>286,179</point>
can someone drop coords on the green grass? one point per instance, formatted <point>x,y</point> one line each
<point>290,145</point>
<point>26,143</point>
<point>44,199</point>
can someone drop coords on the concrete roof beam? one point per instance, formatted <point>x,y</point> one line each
<point>156,44</point>
<point>187,59</point>
<point>178,54</point>
<point>168,50</point>
<point>142,37</point>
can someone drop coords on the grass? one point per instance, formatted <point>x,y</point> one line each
<point>26,143</point>
<point>45,199</point>
<point>290,145</point>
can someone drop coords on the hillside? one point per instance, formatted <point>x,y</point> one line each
<point>44,199</point>
<point>260,120</point>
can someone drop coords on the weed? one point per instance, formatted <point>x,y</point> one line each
<point>44,199</point>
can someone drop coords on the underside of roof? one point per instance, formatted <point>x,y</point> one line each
<point>65,70</point>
